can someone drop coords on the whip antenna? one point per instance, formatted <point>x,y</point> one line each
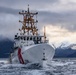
<point>44,33</point>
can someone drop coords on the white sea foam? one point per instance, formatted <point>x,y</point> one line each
<point>55,67</point>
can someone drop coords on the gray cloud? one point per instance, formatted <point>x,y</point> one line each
<point>53,17</point>
<point>27,1</point>
<point>10,8</point>
<point>65,19</point>
<point>21,4</point>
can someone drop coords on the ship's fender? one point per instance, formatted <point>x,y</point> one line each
<point>20,56</point>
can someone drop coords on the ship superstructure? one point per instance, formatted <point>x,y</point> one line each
<point>29,46</point>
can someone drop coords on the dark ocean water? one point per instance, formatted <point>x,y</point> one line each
<point>59,66</point>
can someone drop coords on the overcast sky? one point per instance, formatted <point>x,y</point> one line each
<point>59,17</point>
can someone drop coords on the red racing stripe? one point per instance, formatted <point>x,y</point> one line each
<point>20,56</point>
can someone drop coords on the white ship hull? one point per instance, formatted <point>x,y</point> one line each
<point>30,47</point>
<point>33,54</point>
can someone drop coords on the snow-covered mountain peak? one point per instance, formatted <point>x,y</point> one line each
<point>66,45</point>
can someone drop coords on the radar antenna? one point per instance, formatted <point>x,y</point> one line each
<point>28,23</point>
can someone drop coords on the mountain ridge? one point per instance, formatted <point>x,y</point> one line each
<point>61,51</point>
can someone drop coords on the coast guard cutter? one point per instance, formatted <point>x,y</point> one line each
<point>30,47</point>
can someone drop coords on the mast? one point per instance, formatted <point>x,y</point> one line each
<point>44,34</point>
<point>28,23</point>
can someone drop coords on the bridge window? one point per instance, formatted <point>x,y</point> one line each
<point>27,38</point>
<point>18,37</point>
<point>30,38</point>
<point>33,38</point>
<point>24,38</point>
<point>37,38</point>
